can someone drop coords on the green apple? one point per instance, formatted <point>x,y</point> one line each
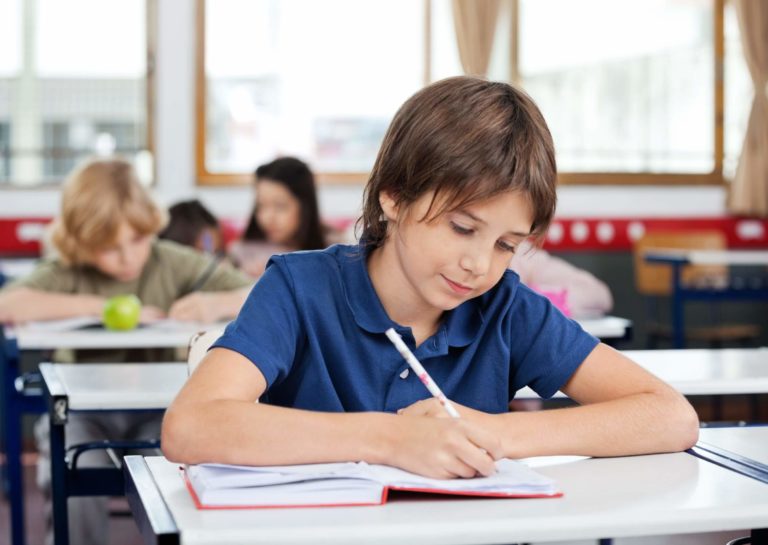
<point>121,312</point>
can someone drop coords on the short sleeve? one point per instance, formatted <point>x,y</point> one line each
<point>546,347</point>
<point>268,330</point>
<point>47,276</point>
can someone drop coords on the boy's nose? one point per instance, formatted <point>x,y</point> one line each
<point>476,262</point>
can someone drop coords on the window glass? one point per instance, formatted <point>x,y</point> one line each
<point>624,86</point>
<point>75,84</point>
<point>320,80</point>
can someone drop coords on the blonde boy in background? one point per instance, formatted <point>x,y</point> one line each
<point>105,238</point>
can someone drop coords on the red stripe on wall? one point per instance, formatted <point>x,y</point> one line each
<point>21,236</point>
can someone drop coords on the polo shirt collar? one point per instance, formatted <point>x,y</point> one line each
<point>461,325</point>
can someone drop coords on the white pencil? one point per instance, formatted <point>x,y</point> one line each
<point>421,372</point>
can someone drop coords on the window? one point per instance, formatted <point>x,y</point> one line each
<point>630,91</point>
<point>76,85</point>
<point>628,88</point>
<point>295,77</point>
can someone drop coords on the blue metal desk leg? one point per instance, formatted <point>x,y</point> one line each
<point>678,310</point>
<point>9,358</point>
<point>58,475</point>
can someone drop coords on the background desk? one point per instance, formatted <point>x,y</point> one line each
<point>18,400</point>
<point>610,497</point>
<point>608,329</point>
<point>743,449</point>
<point>724,371</point>
<point>677,259</point>
<point>98,388</point>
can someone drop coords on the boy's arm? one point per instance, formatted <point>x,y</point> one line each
<point>624,410</point>
<point>214,419</point>
<point>22,304</point>
<point>209,306</point>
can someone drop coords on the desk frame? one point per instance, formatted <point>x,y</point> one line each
<point>66,480</point>
<point>17,400</point>
<point>682,293</point>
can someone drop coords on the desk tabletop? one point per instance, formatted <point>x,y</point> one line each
<point>721,371</point>
<point>162,335</point>
<point>708,257</point>
<point>609,497</point>
<point>118,386</point>
<point>708,371</point>
<point>606,327</point>
<point>94,386</point>
<point>749,441</point>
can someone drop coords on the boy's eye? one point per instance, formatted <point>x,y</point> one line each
<point>461,230</point>
<point>506,247</point>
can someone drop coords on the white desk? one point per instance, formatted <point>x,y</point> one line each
<point>103,388</point>
<point>152,336</point>
<point>17,400</point>
<point>701,371</point>
<point>108,387</point>
<point>749,441</point>
<point>712,257</point>
<point>606,327</point>
<point>612,497</point>
<point>14,268</point>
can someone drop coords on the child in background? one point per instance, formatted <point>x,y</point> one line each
<point>190,223</point>
<point>285,216</point>
<point>579,292</point>
<point>465,174</point>
<point>105,241</point>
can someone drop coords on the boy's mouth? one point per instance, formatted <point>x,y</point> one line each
<point>460,289</point>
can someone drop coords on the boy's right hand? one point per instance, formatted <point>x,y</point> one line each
<point>150,314</point>
<point>444,448</point>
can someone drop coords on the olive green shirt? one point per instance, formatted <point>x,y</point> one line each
<point>171,272</point>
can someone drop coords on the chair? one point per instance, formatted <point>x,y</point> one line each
<point>654,281</point>
<point>199,345</point>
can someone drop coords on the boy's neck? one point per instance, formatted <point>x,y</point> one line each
<point>397,298</point>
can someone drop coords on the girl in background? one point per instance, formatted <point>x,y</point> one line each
<point>285,216</point>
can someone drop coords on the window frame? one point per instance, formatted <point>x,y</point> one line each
<point>713,178</point>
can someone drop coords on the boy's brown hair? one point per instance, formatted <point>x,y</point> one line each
<point>97,198</point>
<point>467,140</point>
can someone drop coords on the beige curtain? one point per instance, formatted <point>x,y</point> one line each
<point>475,24</point>
<point>749,189</point>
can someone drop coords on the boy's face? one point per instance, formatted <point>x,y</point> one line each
<point>125,258</point>
<point>278,213</point>
<point>460,254</point>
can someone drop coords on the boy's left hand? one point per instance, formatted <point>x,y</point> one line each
<point>195,307</point>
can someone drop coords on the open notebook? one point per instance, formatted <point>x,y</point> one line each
<point>217,486</point>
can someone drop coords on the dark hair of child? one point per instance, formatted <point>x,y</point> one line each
<point>297,177</point>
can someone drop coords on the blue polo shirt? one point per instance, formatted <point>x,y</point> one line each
<point>314,326</point>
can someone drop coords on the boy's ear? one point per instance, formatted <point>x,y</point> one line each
<point>388,206</point>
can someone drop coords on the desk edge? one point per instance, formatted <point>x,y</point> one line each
<point>152,515</point>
